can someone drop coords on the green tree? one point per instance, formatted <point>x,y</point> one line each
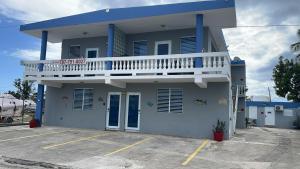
<point>286,76</point>
<point>25,90</point>
<point>281,75</point>
<point>295,84</point>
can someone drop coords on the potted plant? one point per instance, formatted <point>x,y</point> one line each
<point>34,123</point>
<point>219,131</point>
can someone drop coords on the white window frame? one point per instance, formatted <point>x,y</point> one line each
<point>138,41</point>
<point>70,50</point>
<point>169,42</point>
<point>87,50</point>
<point>82,105</point>
<point>169,106</point>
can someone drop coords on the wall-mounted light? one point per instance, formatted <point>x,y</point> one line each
<point>162,26</point>
<point>200,101</point>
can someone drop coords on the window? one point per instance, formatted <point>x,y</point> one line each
<point>91,53</point>
<point>74,51</point>
<point>170,100</point>
<point>140,48</point>
<point>187,45</point>
<point>83,99</point>
<point>163,47</point>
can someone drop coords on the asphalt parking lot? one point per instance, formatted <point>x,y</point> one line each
<point>51,147</point>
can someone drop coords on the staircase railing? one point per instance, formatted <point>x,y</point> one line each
<point>235,109</point>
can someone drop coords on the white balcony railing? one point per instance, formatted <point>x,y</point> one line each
<point>213,63</point>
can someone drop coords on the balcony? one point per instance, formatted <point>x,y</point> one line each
<point>135,69</point>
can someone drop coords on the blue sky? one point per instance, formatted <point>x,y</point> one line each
<point>260,47</point>
<point>11,39</point>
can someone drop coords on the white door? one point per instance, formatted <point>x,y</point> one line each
<point>270,116</point>
<point>133,110</point>
<point>252,112</point>
<point>113,110</point>
<point>163,47</point>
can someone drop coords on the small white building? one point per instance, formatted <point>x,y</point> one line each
<point>273,114</point>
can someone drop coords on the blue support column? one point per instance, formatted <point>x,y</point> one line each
<point>199,39</point>
<point>40,94</point>
<point>110,47</point>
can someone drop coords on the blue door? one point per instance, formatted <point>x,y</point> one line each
<point>163,48</point>
<point>133,111</point>
<point>113,111</point>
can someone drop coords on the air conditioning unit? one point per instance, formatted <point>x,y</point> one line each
<point>278,108</point>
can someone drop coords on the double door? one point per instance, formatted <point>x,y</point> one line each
<point>115,109</point>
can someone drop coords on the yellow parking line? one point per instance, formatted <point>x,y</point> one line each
<point>129,146</point>
<point>193,155</point>
<point>74,141</point>
<point>37,135</point>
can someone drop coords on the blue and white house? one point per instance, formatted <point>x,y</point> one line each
<point>155,69</point>
<point>265,112</point>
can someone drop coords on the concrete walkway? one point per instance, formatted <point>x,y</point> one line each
<point>51,147</point>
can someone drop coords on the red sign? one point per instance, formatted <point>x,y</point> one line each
<point>72,61</point>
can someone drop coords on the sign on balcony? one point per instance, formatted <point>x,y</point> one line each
<point>80,61</point>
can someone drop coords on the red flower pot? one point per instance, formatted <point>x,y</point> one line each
<point>34,123</point>
<point>218,136</point>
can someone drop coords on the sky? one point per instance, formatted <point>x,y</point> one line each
<point>259,46</point>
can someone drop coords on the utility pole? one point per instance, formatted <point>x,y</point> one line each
<point>269,94</point>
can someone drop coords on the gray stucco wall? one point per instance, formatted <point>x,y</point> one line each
<point>173,35</point>
<point>282,121</point>
<point>151,37</point>
<point>196,121</point>
<point>241,115</point>
<point>238,77</point>
<point>95,42</point>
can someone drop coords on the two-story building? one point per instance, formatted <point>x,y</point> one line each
<point>159,69</point>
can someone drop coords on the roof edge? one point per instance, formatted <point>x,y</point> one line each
<point>118,14</point>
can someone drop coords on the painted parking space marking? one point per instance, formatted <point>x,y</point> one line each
<point>75,141</point>
<point>31,136</point>
<point>129,146</point>
<point>196,152</point>
<point>254,143</point>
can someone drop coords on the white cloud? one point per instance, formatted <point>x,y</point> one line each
<point>36,10</point>
<point>53,52</point>
<point>259,46</point>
